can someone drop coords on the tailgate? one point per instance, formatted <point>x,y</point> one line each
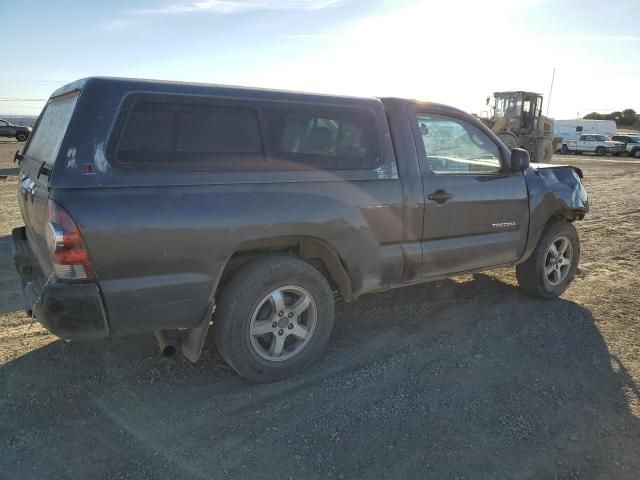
<point>36,167</point>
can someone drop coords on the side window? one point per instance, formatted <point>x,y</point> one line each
<point>578,129</point>
<point>303,137</point>
<point>3,123</point>
<point>457,147</point>
<point>160,133</point>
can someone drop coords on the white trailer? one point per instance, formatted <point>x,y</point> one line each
<point>572,129</point>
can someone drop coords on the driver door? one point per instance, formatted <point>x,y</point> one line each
<point>476,215</point>
<point>587,143</point>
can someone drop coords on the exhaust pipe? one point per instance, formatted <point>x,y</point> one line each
<point>167,345</point>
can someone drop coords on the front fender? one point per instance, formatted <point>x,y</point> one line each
<point>555,191</point>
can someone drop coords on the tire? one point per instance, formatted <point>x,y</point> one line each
<point>636,153</point>
<point>545,154</point>
<point>249,330</point>
<point>600,151</point>
<point>540,275</point>
<point>509,140</point>
<point>564,150</point>
<point>21,136</point>
<point>617,154</point>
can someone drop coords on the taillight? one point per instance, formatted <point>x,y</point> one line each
<point>69,254</point>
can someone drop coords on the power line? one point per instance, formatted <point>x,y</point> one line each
<point>23,99</point>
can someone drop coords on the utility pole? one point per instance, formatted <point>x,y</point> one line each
<point>553,76</point>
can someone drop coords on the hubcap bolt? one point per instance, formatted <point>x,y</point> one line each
<point>274,324</point>
<point>290,327</point>
<point>280,332</point>
<point>280,314</point>
<point>290,315</point>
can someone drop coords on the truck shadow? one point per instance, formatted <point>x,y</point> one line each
<point>461,378</point>
<point>9,295</point>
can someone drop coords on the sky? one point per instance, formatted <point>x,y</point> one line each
<point>456,52</point>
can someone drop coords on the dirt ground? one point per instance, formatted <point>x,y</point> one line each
<point>465,378</point>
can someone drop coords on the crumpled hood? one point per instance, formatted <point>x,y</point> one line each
<point>538,166</point>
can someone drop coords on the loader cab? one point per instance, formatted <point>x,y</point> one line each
<point>522,108</point>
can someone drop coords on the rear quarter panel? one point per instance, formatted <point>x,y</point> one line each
<point>159,251</point>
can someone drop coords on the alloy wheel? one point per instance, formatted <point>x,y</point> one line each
<point>558,261</point>
<point>283,323</point>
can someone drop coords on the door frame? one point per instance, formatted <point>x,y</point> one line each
<point>413,109</point>
<point>427,176</point>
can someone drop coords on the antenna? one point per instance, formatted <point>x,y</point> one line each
<point>553,76</point>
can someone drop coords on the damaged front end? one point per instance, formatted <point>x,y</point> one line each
<point>557,190</point>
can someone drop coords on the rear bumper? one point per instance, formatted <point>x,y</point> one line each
<point>68,310</point>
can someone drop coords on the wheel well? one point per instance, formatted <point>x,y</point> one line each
<point>311,250</point>
<point>568,214</point>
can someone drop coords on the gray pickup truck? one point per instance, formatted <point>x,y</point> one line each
<point>169,207</point>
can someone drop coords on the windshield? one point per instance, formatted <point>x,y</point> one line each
<point>508,105</point>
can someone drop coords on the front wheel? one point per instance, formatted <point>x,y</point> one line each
<point>21,136</point>
<point>273,318</point>
<point>552,266</point>
<point>545,154</point>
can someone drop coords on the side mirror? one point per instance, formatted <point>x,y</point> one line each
<point>520,160</point>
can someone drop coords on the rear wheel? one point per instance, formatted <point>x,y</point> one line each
<point>601,152</point>
<point>636,153</point>
<point>552,266</point>
<point>564,150</point>
<point>273,318</point>
<point>21,136</point>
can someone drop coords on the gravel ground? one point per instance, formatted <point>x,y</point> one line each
<point>464,378</point>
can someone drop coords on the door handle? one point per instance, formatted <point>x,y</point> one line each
<point>440,196</point>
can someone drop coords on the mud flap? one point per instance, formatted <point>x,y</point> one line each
<point>194,340</point>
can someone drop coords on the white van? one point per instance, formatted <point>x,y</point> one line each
<point>572,129</point>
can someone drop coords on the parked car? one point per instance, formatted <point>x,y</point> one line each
<point>178,200</point>
<point>572,129</point>
<point>8,129</point>
<point>598,144</point>
<point>631,143</point>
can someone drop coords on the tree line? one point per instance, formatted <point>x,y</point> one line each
<point>625,118</point>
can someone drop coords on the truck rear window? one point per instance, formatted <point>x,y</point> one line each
<point>174,133</point>
<point>162,131</point>
<point>49,133</point>
<point>325,138</point>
